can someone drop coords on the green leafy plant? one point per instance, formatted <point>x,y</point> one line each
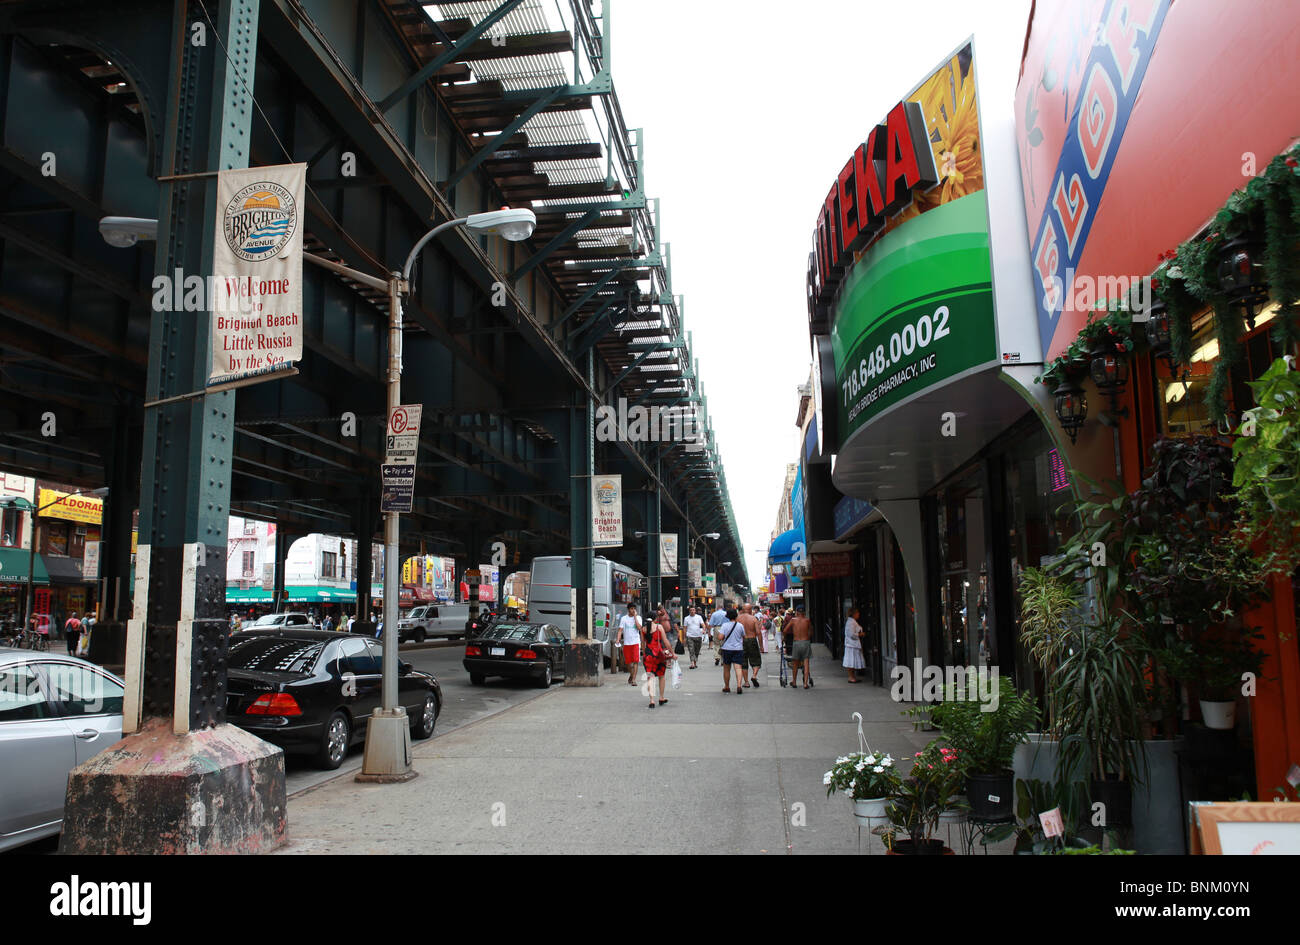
<point>1049,614</point>
<point>1266,471</point>
<point>1214,664</point>
<point>1034,797</point>
<point>921,798</point>
<point>985,735</point>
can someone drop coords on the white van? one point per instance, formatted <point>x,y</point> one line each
<point>433,620</point>
<point>613,585</point>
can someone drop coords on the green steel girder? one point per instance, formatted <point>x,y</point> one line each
<point>591,293</point>
<point>488,149</point>
<point>556,242</point>
<point>637,362</point>
<point>430,69</point>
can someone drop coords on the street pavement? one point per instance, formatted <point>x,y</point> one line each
<point>462,704</point>
<point>593,770</point>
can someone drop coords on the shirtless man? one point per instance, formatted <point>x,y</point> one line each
<point>749,668</point>
<point>801,648</point>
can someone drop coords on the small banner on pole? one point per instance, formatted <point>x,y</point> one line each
<point>668,555</point>
<point>696,566</point>
<point>256,287</point>
<point>607,511</point>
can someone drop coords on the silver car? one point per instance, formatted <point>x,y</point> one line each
<point>55,712</point>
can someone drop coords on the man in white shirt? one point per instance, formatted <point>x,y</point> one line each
<point>629,638</point>
<point>716,621</point>
<point>694,625</point>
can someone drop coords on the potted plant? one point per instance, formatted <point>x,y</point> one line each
<point>869,778</point>
<point>919,801</point>
<point>985,735</point>
<point>1035,797</point>
<point>1215,666</point>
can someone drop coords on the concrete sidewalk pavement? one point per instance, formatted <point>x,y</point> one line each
<point>593,770</point>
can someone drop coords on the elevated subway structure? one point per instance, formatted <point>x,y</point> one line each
<point>405,118</point>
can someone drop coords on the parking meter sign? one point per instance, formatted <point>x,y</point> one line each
<point>398,491</point>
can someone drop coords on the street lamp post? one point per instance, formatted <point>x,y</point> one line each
<point>388,736</point>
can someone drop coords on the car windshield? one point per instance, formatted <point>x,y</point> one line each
<point>270,620</point>
<point>275,654</point>
<point>415,614</point>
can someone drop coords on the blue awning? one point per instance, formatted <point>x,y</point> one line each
<point>783,549</point>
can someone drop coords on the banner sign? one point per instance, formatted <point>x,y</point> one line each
<point>607,511</point>
<point>90,561</point>
<point>668,555</point>
<point>711,583</point>
<point>74,508</point>
<point>1117,56</point>
<point>915,306</point>
<point>256,286</point>
<point>836,565</point>
<point>696,566</point>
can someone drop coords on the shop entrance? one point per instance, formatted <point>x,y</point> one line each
<point>966,639</point>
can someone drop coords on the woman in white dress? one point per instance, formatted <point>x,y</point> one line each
<point>853,635</point>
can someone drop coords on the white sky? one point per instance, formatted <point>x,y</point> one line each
<point>750,109</point>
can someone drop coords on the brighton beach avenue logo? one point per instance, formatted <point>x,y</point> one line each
<point>75,898</point>
<point>259,220</point>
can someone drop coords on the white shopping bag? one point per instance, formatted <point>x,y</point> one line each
<point>677,675</point>
<point>645,687</point>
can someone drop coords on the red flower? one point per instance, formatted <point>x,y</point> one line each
<point>1291,162</point>
<point>1119,346</point>
<point>1155,283</point>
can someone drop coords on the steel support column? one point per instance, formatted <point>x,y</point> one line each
<point>581,470</point>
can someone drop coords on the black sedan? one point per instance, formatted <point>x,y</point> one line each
<point>517,650</point>
<point>313,691</point>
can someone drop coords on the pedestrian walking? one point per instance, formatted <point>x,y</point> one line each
<point>694,625</point>
<point>87,627</point>
<point>801,649</point>
<point>657,658</point>
<point>732,649</point>
<point>753,659</point>
<point>72,633</point>
<point>716,620</point>
<point>629,638</point>
<point>853,637</point>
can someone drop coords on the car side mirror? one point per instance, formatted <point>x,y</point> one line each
<point>403,667</point>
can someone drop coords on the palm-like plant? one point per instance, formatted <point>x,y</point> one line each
<point>1049,617</point>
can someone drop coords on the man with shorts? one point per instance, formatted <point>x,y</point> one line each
<point>629,638</point>
<point>753,660</point>
<point>694,625</point>
<point>800,648</point>
<point>716,621</point>
<point>732,649</point>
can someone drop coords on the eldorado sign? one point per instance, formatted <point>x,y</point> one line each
<point>901,253</point>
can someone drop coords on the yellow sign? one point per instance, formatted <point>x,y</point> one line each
<point>75,508</point>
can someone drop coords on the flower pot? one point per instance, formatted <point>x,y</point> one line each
<point>870,807</point>
<point>1219,715</point>
<point>1158,802</point>
<point>952,816</point>
<point>991,795</point>
<point>927,848</point>
<point>1117,796</point>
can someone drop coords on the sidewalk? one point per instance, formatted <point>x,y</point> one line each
<point>596,771</point>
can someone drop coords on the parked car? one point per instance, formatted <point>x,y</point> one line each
<point>56,711</point>
<point>313,691</point>
<point>516,650</point>
<point>272,621</point>
<point>433,620</point>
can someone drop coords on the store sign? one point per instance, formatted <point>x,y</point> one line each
<point>607,511</point>
<point>1103,94</point>
<point>74,508</point>
<point>668,555</point>
<point>848,513</point>
<point>837,565</point>
<point>257,271</point>
<point>915,307</point>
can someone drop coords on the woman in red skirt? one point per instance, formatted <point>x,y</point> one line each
<point>657,656</point>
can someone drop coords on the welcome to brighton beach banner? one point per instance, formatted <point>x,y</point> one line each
<point>257,271</point>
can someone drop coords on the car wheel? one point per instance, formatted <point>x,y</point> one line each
<point>335,741</point>
<point>419,636</point>
<point>476,679</point>
<point>422,725</point>
<point>544,680</point>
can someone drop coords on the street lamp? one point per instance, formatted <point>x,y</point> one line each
<point>388,736</point>
<point>31,541</point>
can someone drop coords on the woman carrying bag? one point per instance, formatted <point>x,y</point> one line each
<point>657,656</point>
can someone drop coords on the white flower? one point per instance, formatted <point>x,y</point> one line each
<point>859,766</point>
<point>826,778</point>
<point>888,762</point>
<point>879,769</point>
<point>1174,272</point>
